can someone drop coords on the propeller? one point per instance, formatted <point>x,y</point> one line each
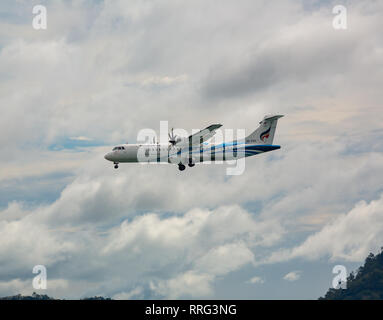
<point>172,137</point>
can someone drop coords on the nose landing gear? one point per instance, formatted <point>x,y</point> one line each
<point>115,165</point>
<point>181,167</point>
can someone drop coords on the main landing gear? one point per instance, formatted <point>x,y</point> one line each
<point>182,167</point>
<point>115,165</point>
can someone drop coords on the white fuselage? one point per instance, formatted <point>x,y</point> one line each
<point>183,154</point>
<point>195,148</point>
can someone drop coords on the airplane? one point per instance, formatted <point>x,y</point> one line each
<point>195,148</point>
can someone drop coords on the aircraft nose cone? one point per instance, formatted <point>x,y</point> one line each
<point>108,156</point>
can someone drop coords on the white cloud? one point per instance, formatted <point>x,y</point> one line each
<point>292,276</point>
<point>80,138</point>
<point>223,259</point>
<point>166,80</point>
<point>136,293</point>
<point>15,286</point>
<point>190,250</point>
<point>26,243</point>
<point>119,61</point>
<point>349,237</point>
<point>256,280</point>
<point>186,284</point>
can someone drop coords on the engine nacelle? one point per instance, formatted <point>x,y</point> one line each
<point>175,157</point>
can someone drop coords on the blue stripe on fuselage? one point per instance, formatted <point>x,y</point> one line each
<point>241,146</point>
<point>263,148</point>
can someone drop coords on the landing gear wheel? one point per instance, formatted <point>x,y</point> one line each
<point>116,166</point>
<point>191,165</point>
<point>181,167</point>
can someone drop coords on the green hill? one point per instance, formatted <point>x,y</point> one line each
<point>365,284</point>
<point>36,296</point>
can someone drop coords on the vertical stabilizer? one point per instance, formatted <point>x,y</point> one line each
<point>265,132</point>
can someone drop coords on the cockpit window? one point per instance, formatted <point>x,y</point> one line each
<point>118,148</point>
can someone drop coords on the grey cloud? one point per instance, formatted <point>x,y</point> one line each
<point>143,248</point>
<point>64,84</point>
<point>315,53</point>
<point>342,238</point>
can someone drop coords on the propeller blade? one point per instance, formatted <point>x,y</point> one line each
<point>172,137</point>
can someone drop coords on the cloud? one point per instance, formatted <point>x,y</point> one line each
<point>349,237</point>
<point>223,259</point>
<point>151,231</point>
<point>256,280</point>
<point>162,81</point>
<point>81,138</point>
<point>136,293</point>
<point>186,284</point>
<point>292,276</point>
<point>165,241</point>
<point>292,56</point>
<point>189,251</point>
<point>14,286</point>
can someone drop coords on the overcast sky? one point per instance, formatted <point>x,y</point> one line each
<point>103,70</point>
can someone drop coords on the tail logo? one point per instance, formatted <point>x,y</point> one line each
<point>264,135</point>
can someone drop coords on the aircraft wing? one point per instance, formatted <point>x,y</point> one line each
<point>204,134</point>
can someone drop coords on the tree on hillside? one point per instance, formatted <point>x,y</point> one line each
<point>365,284</point>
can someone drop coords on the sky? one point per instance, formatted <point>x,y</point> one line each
<point>104,70</point>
